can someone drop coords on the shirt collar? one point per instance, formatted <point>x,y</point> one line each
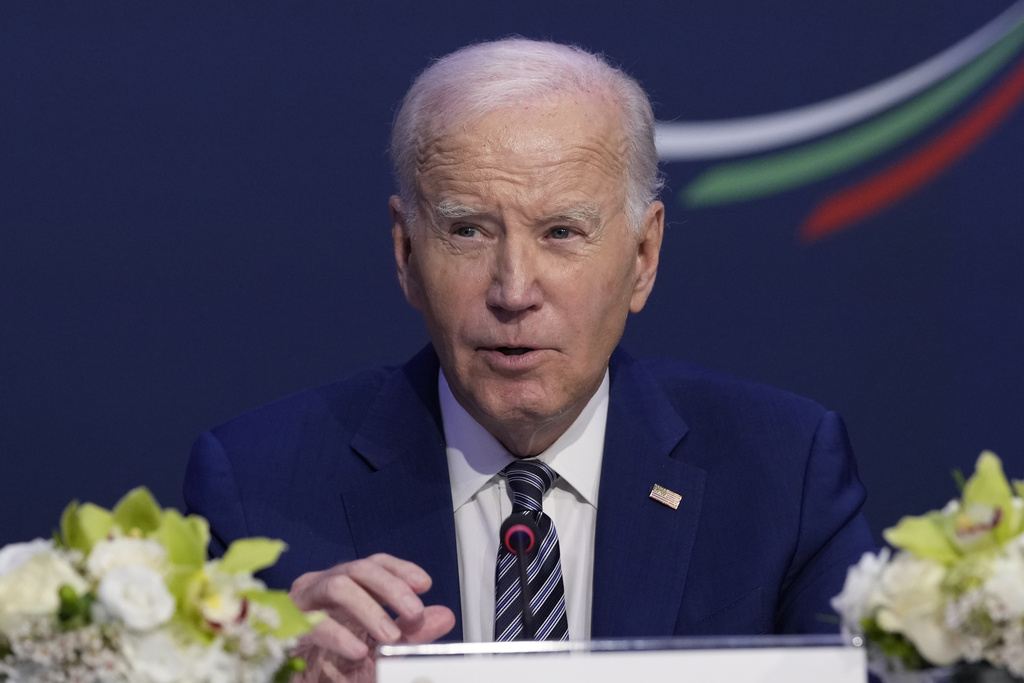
<point>475,456</point>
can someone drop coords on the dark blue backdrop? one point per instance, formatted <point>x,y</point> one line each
<point>193,222</point>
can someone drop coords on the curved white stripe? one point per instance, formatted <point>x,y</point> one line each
<point>677,141</point>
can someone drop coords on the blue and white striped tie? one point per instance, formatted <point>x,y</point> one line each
<point>529,480</point>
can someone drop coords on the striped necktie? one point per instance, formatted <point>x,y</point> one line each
<point>528,480</point>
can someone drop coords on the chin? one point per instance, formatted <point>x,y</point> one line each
<point>516,405</point>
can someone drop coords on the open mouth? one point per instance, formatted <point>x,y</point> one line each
<point>513,350</point>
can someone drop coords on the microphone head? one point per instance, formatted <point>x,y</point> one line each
<point>519,531</point>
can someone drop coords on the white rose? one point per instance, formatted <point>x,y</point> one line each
<point>156,658</point>
<point>137,596</point>
<point>116,553</point>
<point>852,603</point>
<point>16,554</point>
<point>32,586</point>
<point>1004,589</point>
<point>908,600</point>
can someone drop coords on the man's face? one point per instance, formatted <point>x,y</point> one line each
<point>523,262</point>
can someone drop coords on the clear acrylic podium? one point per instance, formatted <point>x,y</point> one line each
<point>755,659</point>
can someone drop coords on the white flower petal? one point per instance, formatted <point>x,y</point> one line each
<point>14,555</point>
<point>137,596</point>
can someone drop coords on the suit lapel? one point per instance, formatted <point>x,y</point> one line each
<point>642,550</point>
<point>401,503</point>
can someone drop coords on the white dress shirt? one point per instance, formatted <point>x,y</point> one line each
<point>481,502</point>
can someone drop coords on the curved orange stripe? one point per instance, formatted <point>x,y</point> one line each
<point>888,186</point>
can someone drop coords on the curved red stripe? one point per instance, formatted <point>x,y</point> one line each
<point>888,186</point>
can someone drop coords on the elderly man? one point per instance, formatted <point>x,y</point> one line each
<point>669,500</point>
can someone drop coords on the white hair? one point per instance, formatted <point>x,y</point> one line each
<point>478,79</point>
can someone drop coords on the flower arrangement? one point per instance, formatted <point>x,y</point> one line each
<point>129,595</point>
<point>953,590</point>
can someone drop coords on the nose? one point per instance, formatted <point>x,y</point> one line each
<point>514,281</point>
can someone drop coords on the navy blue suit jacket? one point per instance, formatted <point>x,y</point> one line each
<point>768,523</point>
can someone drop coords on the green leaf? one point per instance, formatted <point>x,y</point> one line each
<point>83,525</point>
<point>193,632</point>
<point>1016,524</point>
<point>137,510</point>
<point>188,586</point>
<point>180,583</point>
<point>294,622</point>
<point>69,526</point>
<point>988,486</point>
<point>923,536</point>
<point>185,546</point>
<point>201,528</point>
<point>251,555</point>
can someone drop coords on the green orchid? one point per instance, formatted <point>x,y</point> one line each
<point>218,589</point>
<point>146,570</point>
<point>200,587</point>
<point>986,517</point>
<point>136,515</point>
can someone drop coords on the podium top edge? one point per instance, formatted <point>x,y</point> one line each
<point>621,645</point>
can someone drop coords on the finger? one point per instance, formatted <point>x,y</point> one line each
<point>436,621</point>
<point>332,636</point>
<point>352,594</point>
<point>392,582</point>
<point>347,602</point>
<point>412,574</point>
<point>389,580</point>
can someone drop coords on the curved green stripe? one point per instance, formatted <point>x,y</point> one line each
<point>767,175</point>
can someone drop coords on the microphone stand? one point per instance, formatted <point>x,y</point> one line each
<point>520,535</point>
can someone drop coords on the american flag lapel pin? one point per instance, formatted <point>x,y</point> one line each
<point>666,497</point>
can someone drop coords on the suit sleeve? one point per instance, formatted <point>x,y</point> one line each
<point>833,533</point>
<point>212,491</point>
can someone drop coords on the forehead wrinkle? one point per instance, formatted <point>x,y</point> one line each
<point>489,155</point>
<point>521,171</point>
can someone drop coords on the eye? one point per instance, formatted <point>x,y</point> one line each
<point>560,233</point>
<point>466,231</point>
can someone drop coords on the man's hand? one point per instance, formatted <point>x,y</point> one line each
<point>341,648</point>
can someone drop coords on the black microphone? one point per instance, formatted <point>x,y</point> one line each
<point>520,533</point>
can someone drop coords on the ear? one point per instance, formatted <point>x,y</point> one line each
<point>648,249</point>
<point>401,236</point>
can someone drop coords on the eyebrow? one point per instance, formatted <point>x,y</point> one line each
<point>581,213</point>
<point>586,212</point>
<point>449,208</point>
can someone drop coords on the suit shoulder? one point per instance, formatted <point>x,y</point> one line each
<point>338,405</point>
